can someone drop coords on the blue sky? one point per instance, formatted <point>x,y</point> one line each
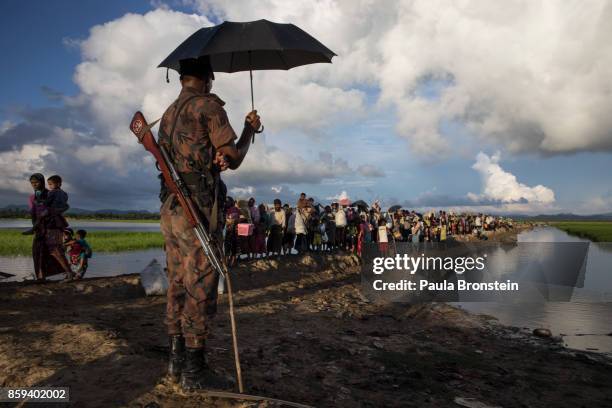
<point>34,38</point>
<point>382,141</point>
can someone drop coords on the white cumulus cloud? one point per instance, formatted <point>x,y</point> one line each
<point>523,75</point>
<point>501,186</point>
<point>118,76</point>
<point>16,166</point>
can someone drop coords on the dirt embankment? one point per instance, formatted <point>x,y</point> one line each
<point>306,335</point>
<point>501,235</point>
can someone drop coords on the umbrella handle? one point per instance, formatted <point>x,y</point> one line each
<point>252,99</point>
<point>251,74</point>
<point>257,132</point>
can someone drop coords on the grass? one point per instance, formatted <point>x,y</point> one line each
<point>12,243</point>
<point>82,219</point>
<point>147,221</point>
<point>596,231</point>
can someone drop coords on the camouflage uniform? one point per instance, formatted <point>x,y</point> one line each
<point>201,128</point>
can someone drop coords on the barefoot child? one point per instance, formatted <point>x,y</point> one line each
<point>79,252</point>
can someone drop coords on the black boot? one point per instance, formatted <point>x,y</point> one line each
<point>177,357</point>
<point>197,375</point>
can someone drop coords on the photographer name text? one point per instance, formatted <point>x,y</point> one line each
<point>459,285</point>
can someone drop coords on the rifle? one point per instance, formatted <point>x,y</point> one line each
<point>175,185</point>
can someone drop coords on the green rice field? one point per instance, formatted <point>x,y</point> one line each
<point>597,231</point>
<point>12,243</point>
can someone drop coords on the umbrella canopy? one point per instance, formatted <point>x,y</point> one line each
<point>250,46</point>
<point>344,201</point>
<point>394,208</point>
<point>254,45</point>
<point>360,204</point>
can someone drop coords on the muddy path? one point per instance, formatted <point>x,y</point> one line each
<point>500,235</point>
<point>306,334</point>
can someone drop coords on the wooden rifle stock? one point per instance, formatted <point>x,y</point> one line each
<point>142,130</point>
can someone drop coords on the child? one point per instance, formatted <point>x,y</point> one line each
<point>324,237</point>
<point>68,238</point>
<point>79,252</point>
<point>71,248</point>
<point>56,204</point>
<point>383,240</point>
<point>289,237</point>
<point>277,228</point>
<point>443,233</point>
<point>317,237</point>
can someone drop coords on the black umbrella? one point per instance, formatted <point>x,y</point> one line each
<point>360,204</point>
<point>394,208</point>
<point>254,45</point>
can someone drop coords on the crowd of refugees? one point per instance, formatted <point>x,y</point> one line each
<point>254,231</point>
<point>56,248</point>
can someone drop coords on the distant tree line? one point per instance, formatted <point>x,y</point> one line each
<point>128,215</point>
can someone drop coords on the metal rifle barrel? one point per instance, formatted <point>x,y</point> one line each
<point>175,175</point>
<point>204,239</point>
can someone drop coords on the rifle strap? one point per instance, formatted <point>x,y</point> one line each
<point>176,117</point>
<point>214,213</point>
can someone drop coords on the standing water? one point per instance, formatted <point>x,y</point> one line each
<point>586,322</point>
<point>102,263</point>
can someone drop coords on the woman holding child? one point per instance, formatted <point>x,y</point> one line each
<point>48,228</point>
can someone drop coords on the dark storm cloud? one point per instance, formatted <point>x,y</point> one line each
<point>96,185</point>
<point>441,200</point>
<point>40,125</point>
<point>12,197</point>
<point>69,131</point>
<point>72,136</point>
<point>22,134</point>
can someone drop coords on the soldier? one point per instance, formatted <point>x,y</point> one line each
<point>201,143</point>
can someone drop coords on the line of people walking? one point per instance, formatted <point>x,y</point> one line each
<point>253,231</point>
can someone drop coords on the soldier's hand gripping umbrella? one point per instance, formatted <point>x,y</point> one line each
<point>250,46</point>
<point>228,47</point>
